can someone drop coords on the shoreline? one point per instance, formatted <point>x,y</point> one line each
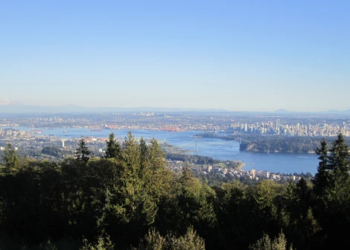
<point>279,152</point>
<point>251,144</point>
<point>241,166</point>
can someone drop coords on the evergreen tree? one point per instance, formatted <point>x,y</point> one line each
<point>265,243</point>
<point>82,152</point>
<point>11,159</point>
<point>333,193</point>
<point>300,225</point>
<point>155,241</point>
<point>124,198</point>
<point>144,155</point>
<point>157,177</point>
<point>187,178</point>
<point>193,205</point>
<point>339,159</point>
<point>265,211</point>
<point>130,207</point>
<point>322,176</point>
<point>113,147</point>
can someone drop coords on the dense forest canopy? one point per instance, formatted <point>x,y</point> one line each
<point>129,200</point>
<point>281,145</point>
<point>274,143</point>
<point>52,150</point>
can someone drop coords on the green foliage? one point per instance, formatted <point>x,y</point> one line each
<point>112,147</point>
<point>154,241</point>
<point>52,150</point>
<point>10,158</point>
<point>272,143</point>
<point>332,187</point>
<point>265,243</point>
<point>321,180</point>
<point>280,144</point>
<point>196,159</point>
<point>192,204</point>
<point>339,157</point>
<point>142,181</point>
<point>45,205</point>
<point>103,243</point>
<point>297,215</point>
<point>134,201</point>
<point>82,152</point>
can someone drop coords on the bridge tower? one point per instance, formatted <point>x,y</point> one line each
<point>63,142</point>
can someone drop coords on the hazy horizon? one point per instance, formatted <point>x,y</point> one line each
<point>237,56</point>
<point>156,108</point>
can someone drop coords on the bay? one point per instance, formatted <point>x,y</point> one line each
<point>216,148</point>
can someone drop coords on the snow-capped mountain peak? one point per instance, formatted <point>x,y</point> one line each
<point>7,102</point>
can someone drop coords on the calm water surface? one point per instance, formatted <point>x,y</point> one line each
<point>216,148</point>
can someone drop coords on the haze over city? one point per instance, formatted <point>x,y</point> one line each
<point>230,55</point>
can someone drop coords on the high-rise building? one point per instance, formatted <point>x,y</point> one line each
<point>63,143</point>
<point>209,168</point>
<point>278,123</point>
<point>252,173</point>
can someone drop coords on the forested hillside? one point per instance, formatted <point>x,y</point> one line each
<point>130,200</point>
<point>278,144</point>
<point>273,143</point>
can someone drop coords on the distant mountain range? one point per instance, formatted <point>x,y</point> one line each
<point>338,111</point>
<point>10,106</point>
<point>282,111</point>
<point>328,111</point>
<point>7,102</point>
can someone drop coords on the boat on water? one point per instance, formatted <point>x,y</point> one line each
<point>96,129</point>
<point>37,131</point>
<point>64,131</point>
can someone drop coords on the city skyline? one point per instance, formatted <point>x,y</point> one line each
<point>231,55</point>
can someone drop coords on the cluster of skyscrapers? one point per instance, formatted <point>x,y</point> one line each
<point>295,129</point>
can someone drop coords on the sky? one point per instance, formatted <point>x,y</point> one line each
<point>259,55</point>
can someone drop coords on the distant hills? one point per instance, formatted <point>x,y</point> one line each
<point>10,106</point>
<point>281,111</point>
<point>284,111</point>
<point>338,111</point>
<point>7,102</point>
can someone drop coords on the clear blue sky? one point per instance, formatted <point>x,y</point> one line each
<point>235,55</point>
